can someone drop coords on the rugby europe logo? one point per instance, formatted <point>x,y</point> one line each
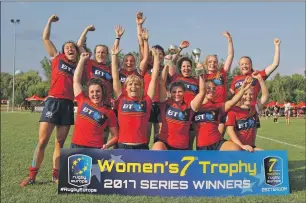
<point>79,170</point>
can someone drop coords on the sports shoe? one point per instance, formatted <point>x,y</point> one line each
<point>55,180</point>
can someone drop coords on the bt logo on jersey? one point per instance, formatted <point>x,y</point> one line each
<point>87,110</point>
<point>172,113</point>
<point>134,106</point>
<point>193,88</point>
<point>239,83</point>
<point>218,81</point>
<point>246,124</point>
<point>177,114</point>
<point>64,67</point>
<point>206,116</point>
<point>93,114</point>
<point>100,73</point>
<point>127,106</point>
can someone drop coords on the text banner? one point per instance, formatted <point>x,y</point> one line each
<point>173,173</point>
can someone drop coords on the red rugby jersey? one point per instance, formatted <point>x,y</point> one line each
<point>207,122</point>
<point>191,86</point>
<point>102,71</point>
<point>176,122</point>
<point>123,74</point>
<point>219,79</point>
<point>244,122</point>
<point>62,77</point>
<point>147,79</point>
<point>91,120</point>
<point>133,118</point>
<point>238,80</point>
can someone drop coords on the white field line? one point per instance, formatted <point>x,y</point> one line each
<point>284,143</point>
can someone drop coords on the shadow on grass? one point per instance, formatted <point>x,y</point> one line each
<point>45,182</point>
<point>297,175</point>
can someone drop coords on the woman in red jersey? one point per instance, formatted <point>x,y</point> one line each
<point>154,120</point>
<point>98,67</point>
<point>92,118</point>
<point>59,109</point>
<point>133,105</point>
<point>176,114</point>
<point>184,65</point>
<point>207,118</point>
<point>219,75</point>
<point>246,69</point>
<point>129,61</point>
<point>241,120</point>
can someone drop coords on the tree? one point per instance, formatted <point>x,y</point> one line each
<point>291,88</point>
<point>46,66</point>
<point>25,80</point>
<point>22,84</point>
<point>6,85</point>
<point>40,89</point>
<point>277,91</point>
<point>300,95</point>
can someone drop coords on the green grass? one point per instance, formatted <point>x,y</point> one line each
<point>19,132</point>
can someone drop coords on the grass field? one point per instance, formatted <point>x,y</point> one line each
<point>19,138</point>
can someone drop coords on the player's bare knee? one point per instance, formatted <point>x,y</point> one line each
<point>60,143</point>
<point>229,146</point>
<point>235,147</point>
<point>159,146</point>
<point>42,144</point>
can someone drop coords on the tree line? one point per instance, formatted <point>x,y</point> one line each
<point>281,88</point>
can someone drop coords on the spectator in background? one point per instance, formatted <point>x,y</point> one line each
<point>275,113</point>
<point>287,107</point>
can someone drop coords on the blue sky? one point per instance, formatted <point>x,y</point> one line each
<point>253,27</point>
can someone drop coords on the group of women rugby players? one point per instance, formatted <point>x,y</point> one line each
<point>167,98</point>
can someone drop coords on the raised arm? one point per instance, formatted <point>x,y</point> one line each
<point>230,52</point>
<point>264,90</point>
<point>162,84</point>
<point>82,38</point>
<point>115,72</point>
<point>139,21</point>
<point>51,50</point>
<point>155,73</point>
<point>119,30</point>
<point>144,62</point>
<point>184,44</point>
<point>276,58</point>
<point>172,67</point>
<point>77,77</point>
<point>236,98</point>
<point>198,100</point>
